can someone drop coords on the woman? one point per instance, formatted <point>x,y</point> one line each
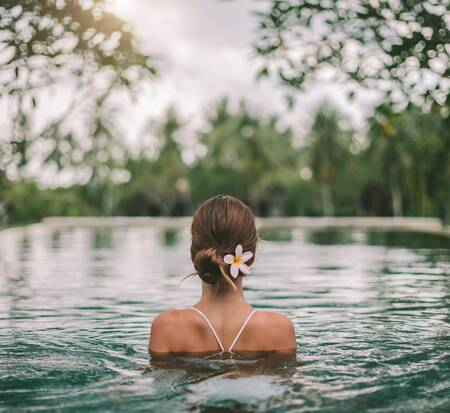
<point>223,249</point>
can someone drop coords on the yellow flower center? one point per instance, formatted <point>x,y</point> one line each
<point>237,260</point>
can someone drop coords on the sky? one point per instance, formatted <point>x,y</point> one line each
<point>204,51</point>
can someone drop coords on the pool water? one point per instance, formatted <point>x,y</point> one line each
<point>371,311</point>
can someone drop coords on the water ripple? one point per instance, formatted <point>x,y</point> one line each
<point>372,319</point>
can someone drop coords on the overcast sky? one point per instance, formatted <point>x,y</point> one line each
<point>204,51</point>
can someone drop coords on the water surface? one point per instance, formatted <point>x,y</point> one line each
<point>371,312</point>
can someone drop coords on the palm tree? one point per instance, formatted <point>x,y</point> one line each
<point>158,184</point>
<point>412,145</point>
<point>327,150</point>
<point>390,146</point>
<point>246,156</point>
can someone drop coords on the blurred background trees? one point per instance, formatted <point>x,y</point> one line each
<point>400,168</point>
<point>398,47</point>
<point>398,164</point>
<point>158,184</point>
<point>81,46</point>
<point>249,157</point>
<point>328,153</point>
<point>412,147</point>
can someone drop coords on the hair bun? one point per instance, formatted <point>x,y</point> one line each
<point>208,263</point>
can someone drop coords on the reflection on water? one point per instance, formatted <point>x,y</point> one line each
<point>371,311</point>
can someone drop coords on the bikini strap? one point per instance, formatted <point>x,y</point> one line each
<point>211,327</point>
<point>241,330</point>
<point>215,333</point>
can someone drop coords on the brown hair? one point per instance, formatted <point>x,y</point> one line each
<point>218,226</point>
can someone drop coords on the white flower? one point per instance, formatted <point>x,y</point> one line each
<point>237,261</point>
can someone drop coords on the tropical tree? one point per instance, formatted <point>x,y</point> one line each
<point>428,138</point>
<point>399,47</point>
<point>390,149</point>
<point>246,156</point>
<point>411,148</point>
<point>327,152</point>
<point>72,45</point>
<point>440,171</point>
<point>158,183</point>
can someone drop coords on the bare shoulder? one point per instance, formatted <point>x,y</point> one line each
<point>165,327</point>
<point>171,316</point>
<point>275,321</point>
<point>278,330</point>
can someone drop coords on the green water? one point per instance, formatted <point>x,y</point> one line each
<point>371,312</point>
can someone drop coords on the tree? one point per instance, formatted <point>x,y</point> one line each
<point>251,158</point>
<point>77,43</point>
<point>327,152</point>
<point>390,149</point>
<point>158,185</point>
<point>399,47</point>
<point>411,147</point>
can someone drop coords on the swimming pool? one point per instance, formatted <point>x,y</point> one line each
<point>371,311</point>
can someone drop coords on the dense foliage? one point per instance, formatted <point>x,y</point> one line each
<point>400,167</point>
<point>45,44</point>
<point>399,47</point>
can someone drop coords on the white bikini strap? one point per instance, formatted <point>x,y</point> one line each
<point>211,327</point>
<point>241,330</point>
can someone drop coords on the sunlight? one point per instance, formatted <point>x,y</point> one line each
<point>120,6</point>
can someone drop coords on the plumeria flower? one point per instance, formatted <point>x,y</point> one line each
<point>237,261</point>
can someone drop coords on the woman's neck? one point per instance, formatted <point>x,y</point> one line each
<point>230,298</point>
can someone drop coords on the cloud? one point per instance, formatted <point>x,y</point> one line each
<point>204,50</point>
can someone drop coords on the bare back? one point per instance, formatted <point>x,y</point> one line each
<point>186,331</point>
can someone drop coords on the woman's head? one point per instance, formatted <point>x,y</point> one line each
<point>218,226</point>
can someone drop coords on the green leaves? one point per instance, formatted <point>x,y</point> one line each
<point>264,72</point>
<point>48,39</point>
<point>411,148</point>
<point>246,156</point>
<point>408,37</point>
